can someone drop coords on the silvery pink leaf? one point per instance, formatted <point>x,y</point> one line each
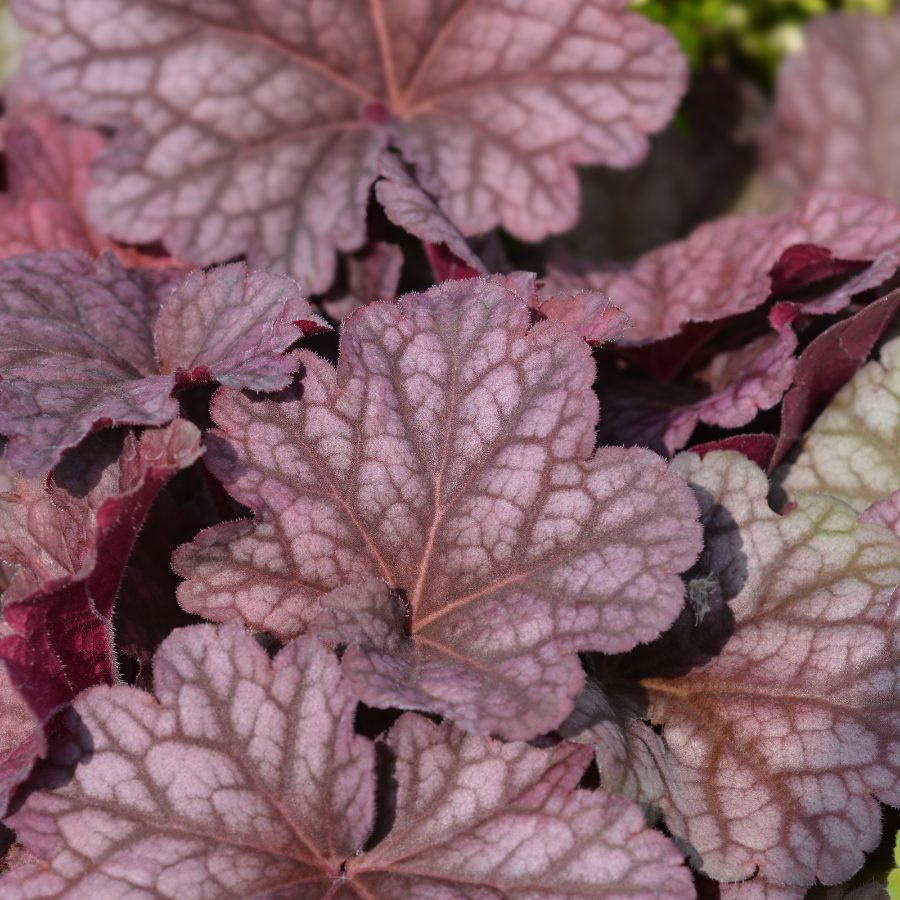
<point>775,696</point>
<point>245,776</point>
<point>589,314</point>
<point>274,158</point>
<point>233,325</point>
<point>835,122</point>
<point>372,275</point>
<point>450,456</point>
<point>408,206</point>
<point>723,267</point>
<point>856,466</point>
<point>741,383</point>
<point>759,888</point>
<point>79,343</point>
<point>71,538</point>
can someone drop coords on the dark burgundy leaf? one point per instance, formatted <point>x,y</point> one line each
<point>827,364</point>
<point>450,456</point>
<point>72,538</point>
<point>804,264</point>
<point>758,448</point>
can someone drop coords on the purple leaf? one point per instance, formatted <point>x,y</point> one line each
<point>723,267</point>
<point>77,347</point>
<point>775,696</point>
<point>245,776</point>
<point>835,122</point>
<point>449,456</point>
<point>72,538</point>
<point>826,365</point>
<point>736,383</point>
<point>408,206</point>
<point>275,158</point>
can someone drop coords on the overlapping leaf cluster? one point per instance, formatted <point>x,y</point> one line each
<point>433,608</point>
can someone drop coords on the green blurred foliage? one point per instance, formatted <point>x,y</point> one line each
<point>751,36</point>
<point>893,879</point>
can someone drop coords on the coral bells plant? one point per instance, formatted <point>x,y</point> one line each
<point>344,557</point>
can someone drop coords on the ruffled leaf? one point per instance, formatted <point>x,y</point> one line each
<point>775,696</point>
<point>724,267</point>
<point>79,343</point>
<point>72,539</point>
<point>246,776</point>
<point>448,456</point>
<point>274,157</point>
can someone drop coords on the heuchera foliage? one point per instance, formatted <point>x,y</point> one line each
<point>429,610</point>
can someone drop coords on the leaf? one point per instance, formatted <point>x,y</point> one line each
<point>372,275</point>
<point>408,206</point>
<point>756,447</point>
<point>47,163</point>
<point>72,539</point>
<point>835,122</point>
<point>448,456</point>
<point>274,158</point>
<point>246,777</point>
<point>79,343</point>
<point>728,392</point>
<point>848,453</point>
<point>21,739</point>
<point>723,267</point>
<point>741,382</point>
<point>774,698</point>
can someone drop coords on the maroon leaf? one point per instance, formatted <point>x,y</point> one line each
<point>449,456</point>
<point>804,264</point>
<point>408,206</point>
<point>757,448</point>
<point>275,160</point>
<point>774,698</point>
<point>883,268</point>
<point>826,364</point>
<point>723,267</point>
<point>77,347</point>
<point>835,122</point>
<point>246,777</point>
<point>72,538</point>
